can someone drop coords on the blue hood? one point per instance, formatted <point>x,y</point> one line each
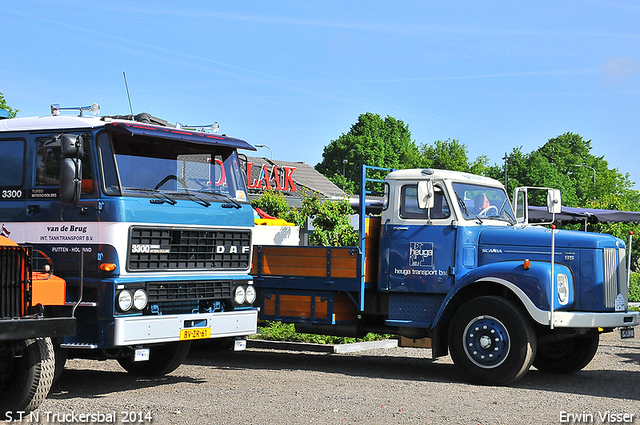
<point>539,236</point>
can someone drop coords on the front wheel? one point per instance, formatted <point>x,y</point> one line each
<point>568,355</point>
<point>491,341</point>
<point>25,380</point>
<point>163,359</point>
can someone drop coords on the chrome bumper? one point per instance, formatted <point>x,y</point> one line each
<point>568,319</point>
<point>136,330</point>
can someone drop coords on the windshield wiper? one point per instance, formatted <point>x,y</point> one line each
<point>162,197</point>
<point>464,208</point>
<point>462,205</point>
<point>221,195</point>
<point>505,214</point>
<point>227,198</point>
<point>193,197</point>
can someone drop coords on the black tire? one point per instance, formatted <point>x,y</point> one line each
<point>491,341</point>
<point>163,359</point>
<point>25,380</point>
<point>567,355</point>
<point>61,360</point>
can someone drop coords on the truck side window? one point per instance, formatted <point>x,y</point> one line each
<point>108,164</point>
<point>11,163</point>
<point>409,204</point>
<point>48,159</point>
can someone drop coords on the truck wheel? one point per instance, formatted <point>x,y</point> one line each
<point>163,359</point>
<point>26,380</point>
<point>491,341</point>
<point>61,360</point>
<point>566,356</point>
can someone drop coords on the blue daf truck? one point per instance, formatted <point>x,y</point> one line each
<point>446,257</point>
<point>148,224</point>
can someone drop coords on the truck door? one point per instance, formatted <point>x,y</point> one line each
<point>59,228</point>
<point>420,243</point>
<point>12,191</point>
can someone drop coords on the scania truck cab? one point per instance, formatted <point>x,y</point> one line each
<point>149,225</point>
<point>448,258</point>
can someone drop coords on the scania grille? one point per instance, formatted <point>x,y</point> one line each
<point>15,269</point>
<point>615,276</point>
<point>164,249</point>
<point>185,291</point>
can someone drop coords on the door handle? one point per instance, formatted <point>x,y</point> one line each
<point>400,228</point>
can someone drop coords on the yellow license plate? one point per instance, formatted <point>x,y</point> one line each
<point>195,333</point>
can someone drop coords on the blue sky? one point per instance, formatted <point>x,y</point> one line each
<point>295,75</point>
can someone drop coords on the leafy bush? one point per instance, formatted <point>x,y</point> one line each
<point>278,331</point>
<point>634,287</point>
<point>330,218</point>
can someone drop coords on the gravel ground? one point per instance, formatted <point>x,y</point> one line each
<point>393,386</point>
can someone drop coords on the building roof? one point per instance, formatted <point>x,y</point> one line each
<point>302,176</point>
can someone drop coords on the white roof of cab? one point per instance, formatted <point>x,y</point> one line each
<point>421,174</point>
<point>50,122</point>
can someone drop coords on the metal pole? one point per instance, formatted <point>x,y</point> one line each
<point>344,164</point>
<point>265,146</point>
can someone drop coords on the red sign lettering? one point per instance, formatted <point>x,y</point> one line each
<point>282,179</point>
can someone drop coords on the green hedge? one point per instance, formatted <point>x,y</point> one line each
<point>634,287</point>
<point>278,331</point>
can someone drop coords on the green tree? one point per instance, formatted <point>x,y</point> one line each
<point>3,105</point>
<point>566,163</point>
<point>372,141</point>
<point>451,155</point>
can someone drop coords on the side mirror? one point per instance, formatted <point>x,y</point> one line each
<point>554,202</point>
<point>71,145</point>
<point>70,180</point>
<point>520,200</point>
<point>425,194</point>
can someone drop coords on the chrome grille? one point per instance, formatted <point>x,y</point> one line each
<point>610,284</point>
<point>622,274</point>
<point>162,249</point>
<point>190,290</point>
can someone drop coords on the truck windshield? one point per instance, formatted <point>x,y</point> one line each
<point>483,202</point>
<point>169,169</point>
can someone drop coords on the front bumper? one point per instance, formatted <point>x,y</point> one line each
<point>568,319</point>
<point>137,330</point>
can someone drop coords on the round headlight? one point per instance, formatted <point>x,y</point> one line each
<point>140,299</point>
<point>250,294</point>
<point>239,296</point>
<point>563,288</point>
<point>125,300</point>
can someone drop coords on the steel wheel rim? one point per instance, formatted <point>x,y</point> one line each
<point>486,342</point>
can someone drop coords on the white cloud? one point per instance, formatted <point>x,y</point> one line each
<point>618,69</point>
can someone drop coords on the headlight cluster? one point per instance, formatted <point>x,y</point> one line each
<point>563,289</point>
<point>136,300</point>
<point>245,294</point>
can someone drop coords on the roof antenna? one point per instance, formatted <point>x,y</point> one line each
<point>128,95</point>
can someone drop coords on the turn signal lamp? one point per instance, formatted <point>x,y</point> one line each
<point>107,267</point>
<point>527,264</point>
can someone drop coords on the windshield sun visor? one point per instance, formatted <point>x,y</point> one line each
<point>135,129</point>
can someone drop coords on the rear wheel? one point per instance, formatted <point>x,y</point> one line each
<point>25,380</point>
<point>61,360</point>
<point>567,355</point>
<point>163,359</point>
<point>491,341</point>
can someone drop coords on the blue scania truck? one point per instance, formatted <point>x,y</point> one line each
<point>447,258</point>
<point>148,224</point>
